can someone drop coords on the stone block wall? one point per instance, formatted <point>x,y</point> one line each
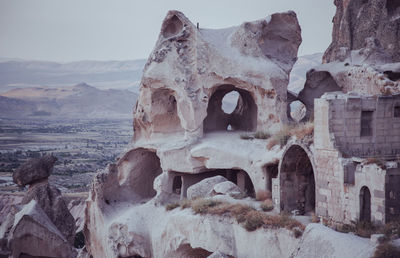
<point>345,125</point>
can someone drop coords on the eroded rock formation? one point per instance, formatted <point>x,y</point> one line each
<point>355,21</point>
<point>41,224</point>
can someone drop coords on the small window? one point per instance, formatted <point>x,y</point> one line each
<point>396,111</point>
<point>366,123</point>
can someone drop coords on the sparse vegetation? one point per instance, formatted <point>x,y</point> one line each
<point>257,135</point>
<point>171,206</point>
<point>248,217</point>
<point>302,131</point>
<point>246,137</point>
<point>262,135</point>
<point>267,205</point>
<point>387,250</point>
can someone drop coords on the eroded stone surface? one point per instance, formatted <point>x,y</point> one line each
<point>357,20</point>
<point>34,170</point>
<point>52,203</point>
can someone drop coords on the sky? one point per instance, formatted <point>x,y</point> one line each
<point>72,30</point>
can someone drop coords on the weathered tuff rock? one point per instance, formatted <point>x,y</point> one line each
<point>34,170</point>
<point>225,188</point>
<point>204,187</point>
<point>357,20</point>
<point>50,200</point>
<point>190,70</point>
<point>182,135</point>
<point>33,233</point>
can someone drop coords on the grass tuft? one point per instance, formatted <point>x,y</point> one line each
<point>171,206</point>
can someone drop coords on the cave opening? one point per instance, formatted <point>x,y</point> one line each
<point>230,109</point>
<point>297,182</point>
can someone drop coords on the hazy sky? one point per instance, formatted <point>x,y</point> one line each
<point>70,30</point>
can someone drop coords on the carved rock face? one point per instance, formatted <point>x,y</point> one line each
<point>191,69</point>
<point>357,20</point>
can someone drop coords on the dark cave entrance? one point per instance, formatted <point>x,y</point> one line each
<point>297,182</point>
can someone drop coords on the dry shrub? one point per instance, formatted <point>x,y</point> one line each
<point>253,220</point>
<point>267,205</point>
<point>387,250</point>
<point>262,135</point>
<point>300,130</point>
<point>246,137</point>
<point>365,229</point>
<point>201,206</point>
<point>392,228</point>
<point>171,206</point>
<point>186,204</point>
<point>314,218</point>
<point>247,216</point>
<point>303,130</point>
<point>263,195</point>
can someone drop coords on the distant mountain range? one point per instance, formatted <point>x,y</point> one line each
<point>48,89</point>
<point>16,73</point>
<point>79,101</point>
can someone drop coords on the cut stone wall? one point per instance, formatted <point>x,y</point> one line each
<point>345,124</point>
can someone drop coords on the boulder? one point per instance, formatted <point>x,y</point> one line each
<point>50,200</point>
<point>34,170</point>
<point>226,187</point>
<point>34,234</point>
<point>204,187</point>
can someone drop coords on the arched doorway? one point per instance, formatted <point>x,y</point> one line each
<point>242,118</point>
<point>297,183</point>
<point>365,204</point>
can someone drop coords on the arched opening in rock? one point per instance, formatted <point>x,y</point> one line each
<point>297,111</point>
<point>392,6</point>
<point>243,116</point>
<point>164,112</point>
<point>137,172</point>
<point>365,204</point>
<point>177,185</point>
<point>172,27</point>
<point>317,83</point>
<point>297,181</point>
<point>187,251</point>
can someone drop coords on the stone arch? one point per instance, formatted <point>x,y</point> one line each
<point>243,118</point>
<point>365,204</point>
<point>137,170</point>
<point>317,83</point>
<point>164,112</point>
<point>297,180</point>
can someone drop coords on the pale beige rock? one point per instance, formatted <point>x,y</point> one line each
<point>226,187</point>
<point>204,187</point>
<point>34,234</point>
